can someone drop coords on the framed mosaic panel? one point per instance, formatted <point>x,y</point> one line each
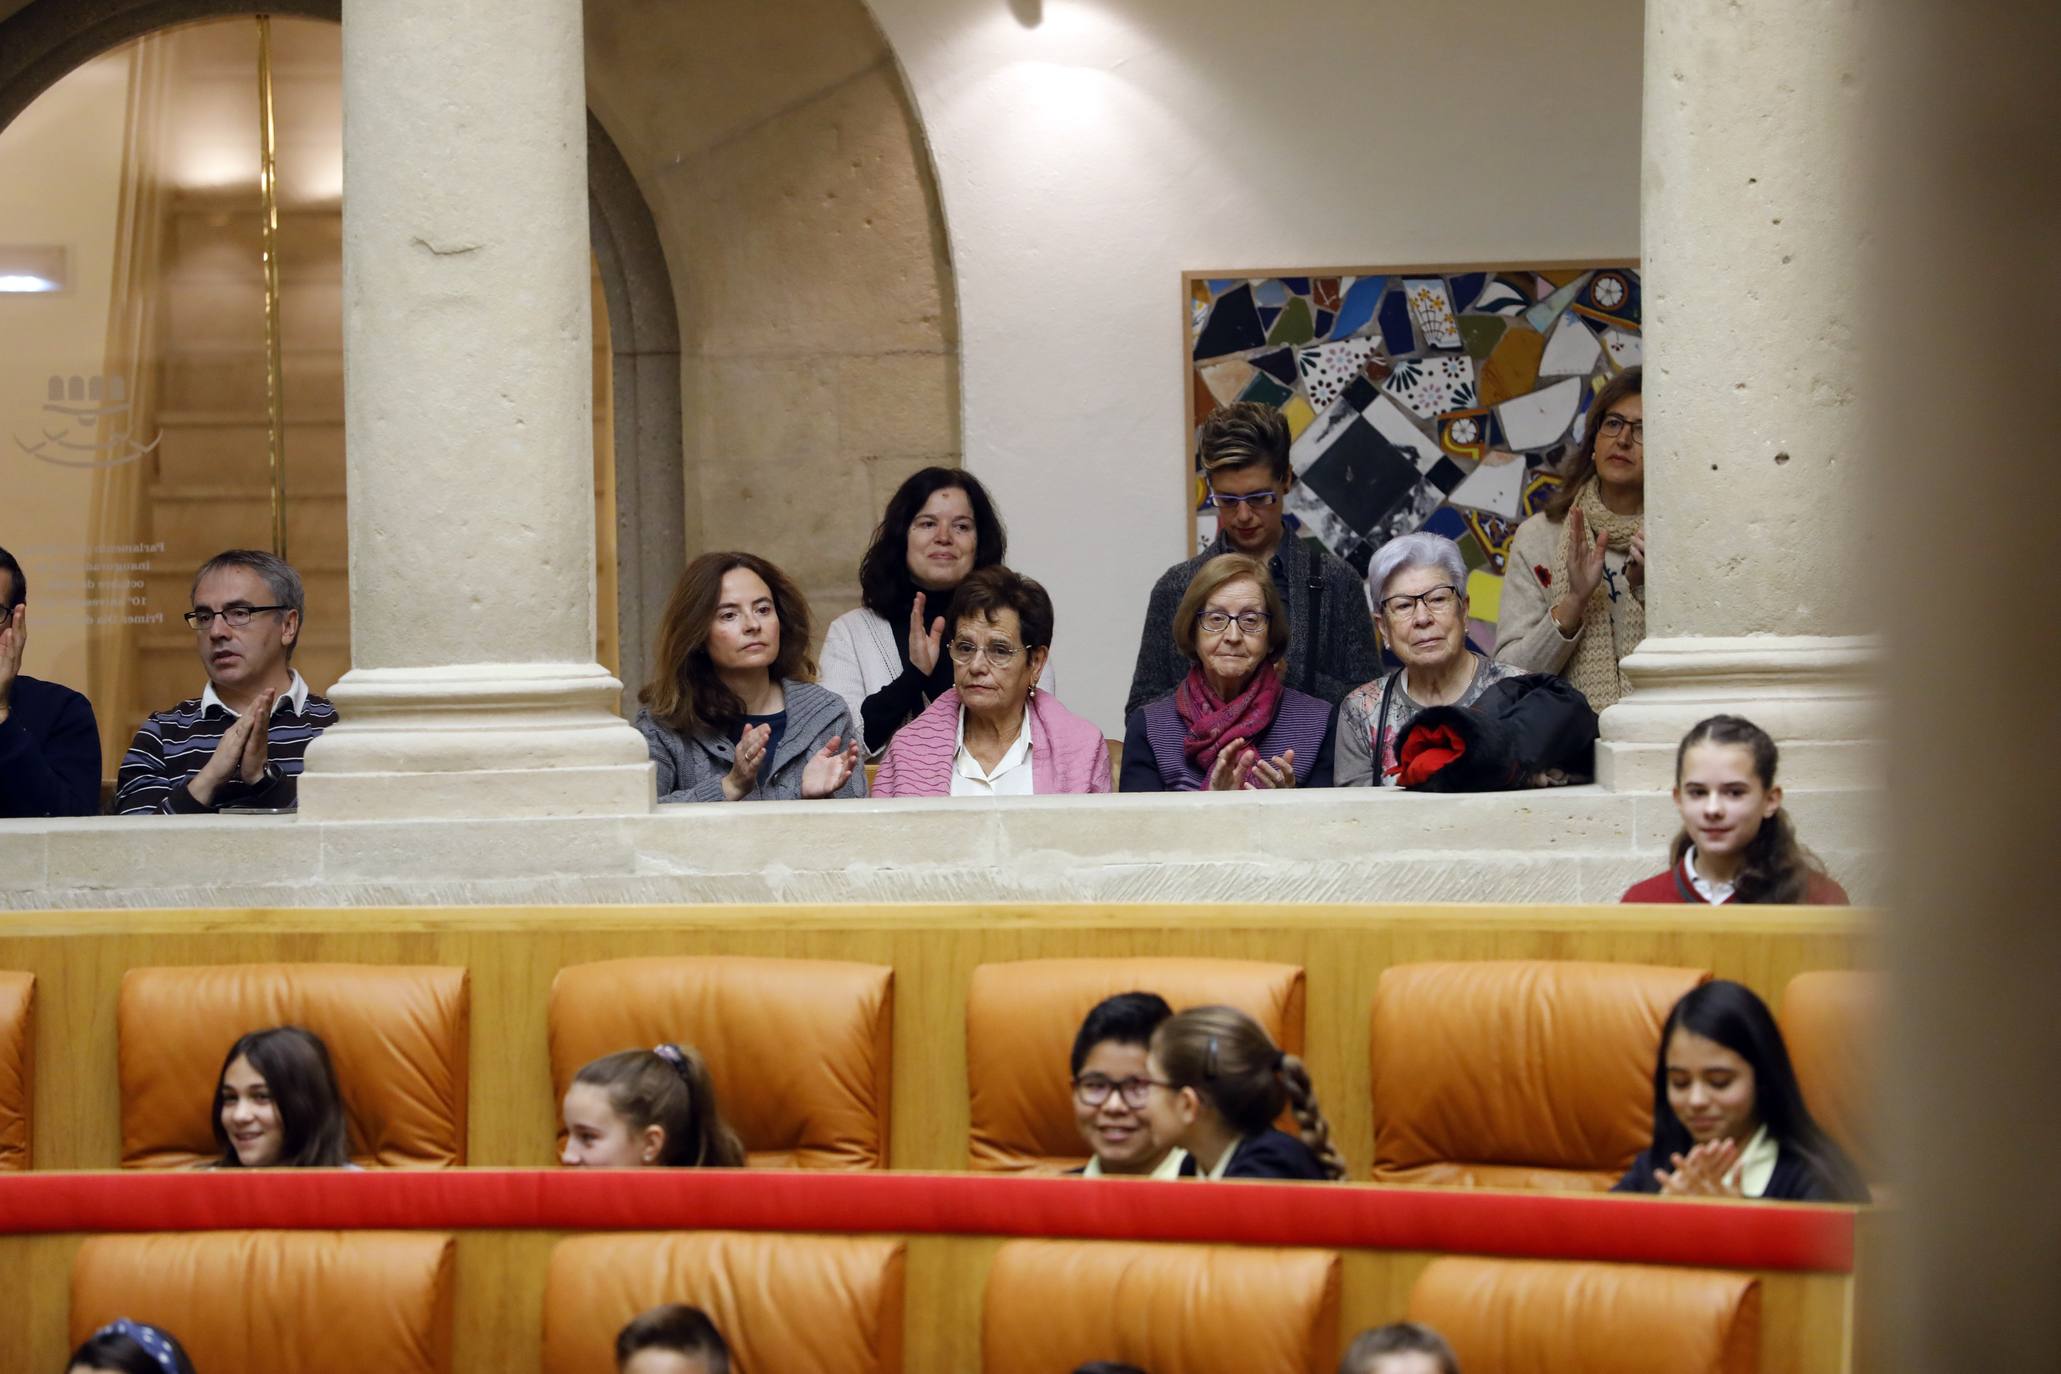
<point>1437,398</point>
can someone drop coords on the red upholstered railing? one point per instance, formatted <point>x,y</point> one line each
<point>1765,1236</point>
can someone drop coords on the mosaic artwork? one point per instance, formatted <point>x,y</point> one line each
<point>1439,400</point>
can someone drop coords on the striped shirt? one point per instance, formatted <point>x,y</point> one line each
<point>174,745</point>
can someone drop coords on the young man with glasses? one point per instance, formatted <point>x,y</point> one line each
<point>1244,452</point>
<point>239,744</point>
<point>49,742</point>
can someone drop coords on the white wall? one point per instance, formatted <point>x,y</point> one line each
<point>60,181</point>
<point>1087,153</point>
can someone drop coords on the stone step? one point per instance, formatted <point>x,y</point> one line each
<point>239,455</point>
<point>233,378</point>
<point>216,518</point>
<point>202,312</point>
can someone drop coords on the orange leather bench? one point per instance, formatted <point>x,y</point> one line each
<point>785,1304</point>
<point>1171,1309</point>
<point>801,1050</point>
<point>1546,1317</point>
<point>397,1036</point>
<point>17,1067</point>
<point>1021,1019</point>
<point>1520,1074</point>
<point>1833,1024</point>
<point>286,1302</point>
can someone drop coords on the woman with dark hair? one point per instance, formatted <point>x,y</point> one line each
<point>993,733</point>
<point>1232,723</point>
<point>1574,587</point>
<point>646,1108</point>
<point>277,1104</point>
<point>1736,843</point>
<point>732,712</point>
<point>887,659</point>
<point>674,1339</point>
<point>1728,1117</point>
<point>1219,1082</point>
<point>126,1347</point>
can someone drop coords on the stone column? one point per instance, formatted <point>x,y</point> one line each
<point>468,426</point>
<point>1757,490</point>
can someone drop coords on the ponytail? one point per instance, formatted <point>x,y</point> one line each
<point>669,1087</point>
<point>1232,1064</point>
<point>1315,1130</point>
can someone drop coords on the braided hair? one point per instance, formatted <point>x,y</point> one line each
<point>1232,1064</point>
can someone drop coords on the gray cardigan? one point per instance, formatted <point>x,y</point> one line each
<point>691,768</point>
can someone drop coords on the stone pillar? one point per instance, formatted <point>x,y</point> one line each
<point>1757,493</point>
<point>468,426</point>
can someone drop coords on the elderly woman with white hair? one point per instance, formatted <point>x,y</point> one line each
<point>1418,584</point>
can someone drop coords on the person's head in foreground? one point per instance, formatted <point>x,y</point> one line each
<point>674,1339</point>
<point>1218,1083</point>
<point>640,1109</point>
<point>1399,1348</point>
<point>1732,815</point>
<point>1728,1117</point>
<point>129,1347</point>
<point>1111,1084</point>
<point>277,1104</point>
<point>1107,1367</point>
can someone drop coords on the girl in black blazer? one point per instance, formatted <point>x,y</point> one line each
<point>1218,1083</point>
<point>1728,1117</point>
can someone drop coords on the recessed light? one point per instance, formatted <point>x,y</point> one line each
<point>32,269</point>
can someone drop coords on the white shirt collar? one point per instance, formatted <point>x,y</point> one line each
<point>1017,755</point>
<point>1167,1168</point>
<point>1223,1163</point>
<point>1756,1166</point>
<point>1716,893</point>
<point>296,693</point>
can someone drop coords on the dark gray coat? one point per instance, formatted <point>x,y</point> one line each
<point>691,768</point>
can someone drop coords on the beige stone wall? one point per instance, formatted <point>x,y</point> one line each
<point>793,195</point>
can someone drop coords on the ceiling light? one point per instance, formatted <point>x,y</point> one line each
<point>26,268</point>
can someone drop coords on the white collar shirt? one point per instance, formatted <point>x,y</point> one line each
<point>1168,1168</point>
<point>1716,893</point>
<point>1756,1166</point>
<point>1011,776</point>
<point>296,694</point>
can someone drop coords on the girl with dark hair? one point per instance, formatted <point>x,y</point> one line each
<point>887,659</point>
<point>674,1339</point>
<point>1574,593</point>
<point>126,1347</point>
<point>1218,1083</point>
<point>1728,1117</point>
<point>732,712</point>
<point>277,1104</point>
<point>646,1108</point>
<point>1736,843</point>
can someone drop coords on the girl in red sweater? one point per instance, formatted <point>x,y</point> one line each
<point>1736,844</point>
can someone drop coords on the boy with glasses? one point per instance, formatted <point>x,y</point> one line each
<point>49,741</point>
<point>240,743</point>
<point>1110,1085</point>
<point>1244,453</point>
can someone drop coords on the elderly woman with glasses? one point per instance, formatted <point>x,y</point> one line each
<point>993,733</point>
<point>1418,584</point>
<point>1574,596</point>
<point>1232,723</point>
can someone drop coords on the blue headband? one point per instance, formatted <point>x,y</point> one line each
<point>155,1343</point>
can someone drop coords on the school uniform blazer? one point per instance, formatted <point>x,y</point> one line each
<point>1793,1180</point>
<point>1274,1154</point>
<point>1671,887</point>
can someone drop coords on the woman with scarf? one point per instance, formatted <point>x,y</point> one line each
<point>1574,593</point>
<point>1231,724</point>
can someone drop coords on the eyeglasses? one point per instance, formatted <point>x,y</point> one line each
<point>1216,622</point>
<point>1001,653</point>
<point>1438,601</point>
<point>1092,1090</point>
<point>1614,425</point>
<point>237,616</point>
<point>1259,500</point>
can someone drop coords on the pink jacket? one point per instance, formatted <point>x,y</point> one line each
<point>1068,754</point>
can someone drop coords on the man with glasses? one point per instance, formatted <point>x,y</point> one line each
<point>49,742</point>
<point>239,744</point>
<point>1244,452</point>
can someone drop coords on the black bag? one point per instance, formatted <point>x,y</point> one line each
<point>1521,727</point>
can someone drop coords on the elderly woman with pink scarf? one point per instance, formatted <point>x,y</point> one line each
<point>1232,724</point>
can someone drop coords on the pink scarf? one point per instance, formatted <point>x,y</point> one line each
<point>1212,722</point>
